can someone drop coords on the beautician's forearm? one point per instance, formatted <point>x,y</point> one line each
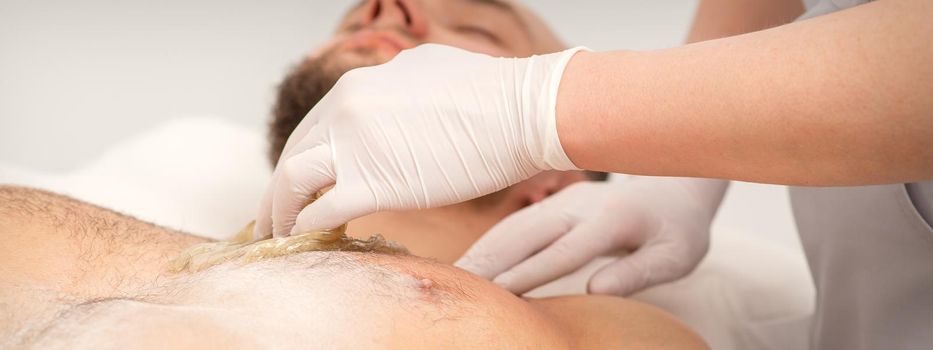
<point>842,99</point>
<point>717,19</point>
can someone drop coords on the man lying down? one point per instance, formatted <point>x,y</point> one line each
<point>73,275</point>
<point>76,276</point>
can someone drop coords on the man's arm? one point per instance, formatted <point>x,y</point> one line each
<point>55,243</point>
<point>842,99</point>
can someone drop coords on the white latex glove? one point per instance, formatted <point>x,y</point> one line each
<point>663,221</point>
<point>434,126</point>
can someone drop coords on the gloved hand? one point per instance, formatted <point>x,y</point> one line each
<point>434,126</point>
<point>663,221</point>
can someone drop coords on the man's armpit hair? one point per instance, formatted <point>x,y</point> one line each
<point>58,210</point>
<point>104,243</point>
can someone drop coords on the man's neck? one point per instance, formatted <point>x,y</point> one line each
<point>440,233</point>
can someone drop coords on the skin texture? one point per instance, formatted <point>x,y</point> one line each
<point>841,99</point>
<point>76,276</point>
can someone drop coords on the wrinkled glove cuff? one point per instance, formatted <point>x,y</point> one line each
<point>552,153</point>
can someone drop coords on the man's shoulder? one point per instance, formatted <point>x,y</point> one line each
<point>17,202</point>
<point>62,243</point>
<point>25,221</point>
<point>32,219</point>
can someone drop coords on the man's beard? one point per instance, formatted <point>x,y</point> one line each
<point>305,85</point>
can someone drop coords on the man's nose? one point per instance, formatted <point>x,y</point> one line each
<point>402,14</point>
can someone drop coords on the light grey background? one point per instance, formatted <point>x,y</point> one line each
<point>79,76</point>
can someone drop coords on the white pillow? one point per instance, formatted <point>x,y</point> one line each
<point>199,175</point>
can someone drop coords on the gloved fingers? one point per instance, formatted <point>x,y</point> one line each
<point>648,266</point>
<point>333,209</point>
<point>297,180</point>
<point>312,138</point>
<point>567,254</point>
<point>513,239</point>
<point>264,220</point>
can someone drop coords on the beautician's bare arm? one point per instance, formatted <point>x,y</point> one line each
<point>842,99</point>
<point>723,18</point>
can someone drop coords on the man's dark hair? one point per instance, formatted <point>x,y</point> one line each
<point>301,89</point>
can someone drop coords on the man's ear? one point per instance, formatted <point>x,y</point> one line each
<point>541,186</point>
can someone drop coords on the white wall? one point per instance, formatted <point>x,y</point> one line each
<point>78,76</point>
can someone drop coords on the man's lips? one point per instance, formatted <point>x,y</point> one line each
<point>381,40</point>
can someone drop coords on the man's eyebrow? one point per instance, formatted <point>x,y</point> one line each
<point>497,3</point>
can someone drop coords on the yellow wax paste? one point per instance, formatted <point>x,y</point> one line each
<point>242,248</point>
